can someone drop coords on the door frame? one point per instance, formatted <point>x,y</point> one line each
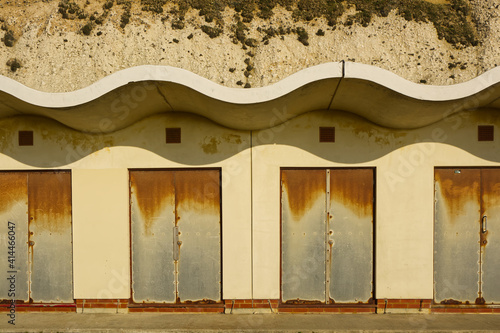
<point>313,304</point>
<point>178,303</point>
<point>31,303</point>
<point>479,303</point>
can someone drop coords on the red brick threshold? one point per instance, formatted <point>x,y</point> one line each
<point>327,309</point>
<point>176,308</point>
<point>427,305</point>
<point>38,307</point>
<point>238,305</point>
<point>83,304</point>
<point>465,309</point>
<point>275,306</point>
<point>415,304</point>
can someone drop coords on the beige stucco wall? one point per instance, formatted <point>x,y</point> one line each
<point>101,254</point>
<point>99,165</point>
<point>404,162</point>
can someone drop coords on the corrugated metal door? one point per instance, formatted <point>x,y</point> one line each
<point>467,242</point>
<point>327,235</point>
<point>40,202</point>
<point>175,216</point>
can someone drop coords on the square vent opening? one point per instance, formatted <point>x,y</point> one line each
<point>26,138</point>
<point>485,133</point>
<point>173,135</point>
<point>327,134</point>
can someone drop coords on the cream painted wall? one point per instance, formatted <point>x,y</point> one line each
<point>404,162</point>
<point>101,255</point>
<point>99,165</point>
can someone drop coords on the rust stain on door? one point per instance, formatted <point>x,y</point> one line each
<point>49,194</point>
<point>198,189</point>
<point>458,187</point>
<point>304,187</point>
<point>155,190</point>
<point>490,200</point>
<point>199,221</point>
<point>14,209</point>
<point>327,238</point>
<point>457,265</point>
<point>354,190</point>
<point>50,246</point>
<point>175,216</point>
<point>12,189</point>
<point>489,231</point>
<point>351,235</point>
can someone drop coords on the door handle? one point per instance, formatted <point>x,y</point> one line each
<point>484,224</point>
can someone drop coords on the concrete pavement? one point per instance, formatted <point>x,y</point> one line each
<point>208,323</point>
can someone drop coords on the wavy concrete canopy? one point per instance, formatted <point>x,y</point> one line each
<point>125,97</point>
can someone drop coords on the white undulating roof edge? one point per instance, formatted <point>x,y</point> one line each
<point>431,93</point>
<point>167,74</point>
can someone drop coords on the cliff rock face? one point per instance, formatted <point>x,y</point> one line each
<point>64,45</point>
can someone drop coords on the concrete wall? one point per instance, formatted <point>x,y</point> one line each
<point>100,183</point>
<point>101,254</point>
<point>404,161</point>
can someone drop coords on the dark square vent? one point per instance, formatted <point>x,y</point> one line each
<point>485,133</point>
<point>26,138</point>
<point>173,135</point>
<point>327,134</point>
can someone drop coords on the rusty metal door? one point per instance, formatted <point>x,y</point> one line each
<point>40,203</point>
<point>456,248</point>
<point>303,235</point>
<point>327,235</point>
<point>466,241</point>
<point>350,236</point>
<point>153,220</point>
<point>490,235</point>
<point>49,239</point>
<point>14,214</point>
<point>175,221</point>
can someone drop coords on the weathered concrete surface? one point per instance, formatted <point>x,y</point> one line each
<point>147,322</point>
<point>124,98</point>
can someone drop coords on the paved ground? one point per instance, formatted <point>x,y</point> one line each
<point>208,323</point>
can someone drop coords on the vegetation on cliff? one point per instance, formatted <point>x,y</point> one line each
<point>452,19</point>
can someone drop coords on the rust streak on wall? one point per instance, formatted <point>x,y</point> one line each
<point>353,188</point>
<point>49,195</point>
<point>198,189</point>
<point>152,189</point>
<point>13,189</point>
<point>458,188</point>
<point>303,188</point>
